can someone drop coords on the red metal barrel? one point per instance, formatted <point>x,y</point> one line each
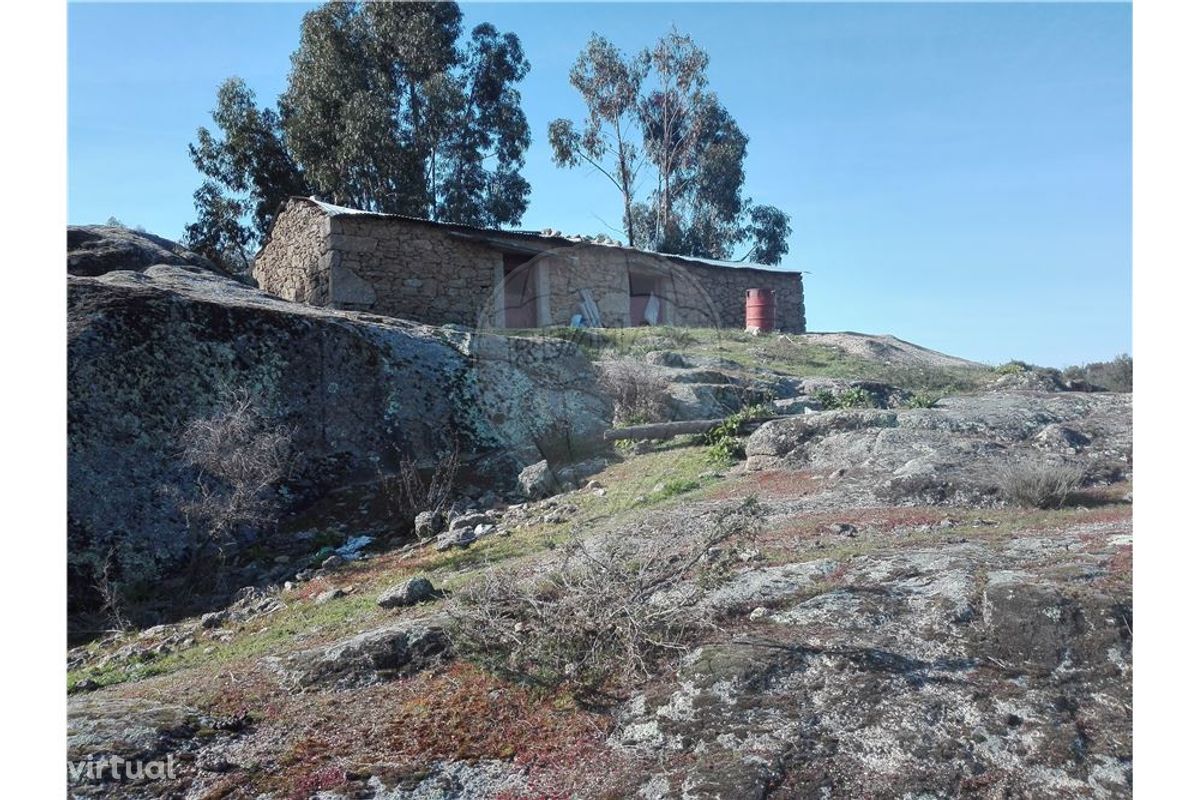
<point>759,310</point>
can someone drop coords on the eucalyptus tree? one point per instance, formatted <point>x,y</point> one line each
<point>611,87</point>
<point>655,112</point>
<point>247,173</point>
<point>388,107</point>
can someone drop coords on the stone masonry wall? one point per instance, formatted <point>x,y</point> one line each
<point>412,271</point>
<point>294,262</point>
<point>427,274</point>
<point>693,295</point>
<point>605,274</point>
<point>726,287</point>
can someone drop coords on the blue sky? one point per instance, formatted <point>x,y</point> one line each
<point>958,175</point>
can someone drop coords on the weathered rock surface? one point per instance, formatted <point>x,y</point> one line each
<point>427,524</point>
<point>1033,380</point>
<point>539,480</point>
<point>409,593</point>
<point>130,728</point>
<point>455,780</point>
<point>885,348</point>
<point>149,351</point>
<point>925,673</point>
<point>955,451</point>
<point>96,249</point>
<point>707,388</point>
<point>142,747</point>
<point>711,400</point>
<point>369,657</point>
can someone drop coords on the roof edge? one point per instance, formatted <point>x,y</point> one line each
<point>333,210</point>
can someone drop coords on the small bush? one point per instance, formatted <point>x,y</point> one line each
<point>857,397</point>
<point>237,457</point>
<point>1039,485</point>
<point>607,614</point>
<point>639,393</point>
<point>409,492</point>
<point>1114,375</point>
<point>922,400</point>
<point>675,487</point>
<point>1013,367</point>
<point>724,441</point>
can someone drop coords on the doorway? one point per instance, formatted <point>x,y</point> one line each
<point>646,302</point>
<point>520,291</point>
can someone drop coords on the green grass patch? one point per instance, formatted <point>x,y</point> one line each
<point>782,354</point>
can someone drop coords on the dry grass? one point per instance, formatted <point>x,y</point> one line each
<point>409,491</point>
<point>1039,484</point>
<point>638,391</point>
<point>237,455</point>
<point>606,614</point>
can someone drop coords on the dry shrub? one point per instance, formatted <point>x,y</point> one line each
<point>112,593</point>
<point>238,456</point>
<point>607,613</point>
<point>638,391</point>
<point>409,491</point>
<point>1039,484</point>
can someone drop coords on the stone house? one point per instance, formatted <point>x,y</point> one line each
<point>440,273</point>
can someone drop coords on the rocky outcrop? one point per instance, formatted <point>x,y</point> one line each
<point>540,480</point>
<point>136,742</point>
<point>959,670</point>
<point>96,249</point>
<point>704,387</point>
<point>409,593</point>
<point>956,451</point>
<point>369,657</point>
<point>149,351</point>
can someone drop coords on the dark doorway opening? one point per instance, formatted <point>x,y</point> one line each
<point>520,292</point>
<point>646,305</point>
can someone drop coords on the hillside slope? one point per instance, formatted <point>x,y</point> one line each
<point>889,573</point>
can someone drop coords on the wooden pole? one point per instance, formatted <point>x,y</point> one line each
<point>666,430</point>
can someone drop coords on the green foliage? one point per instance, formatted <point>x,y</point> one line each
<point>768,228</point>
<point>855,397</point>
<point>247,174</point>
<point>688,138</point>
<point>606,141</point>
<point>1113,376</point>
<point>1013,367</point>
<point>826,398</point>
<point>933,380</point>
<point>386,110</point>
<point>922,400</point>
<point>675,487</point>
<point>724,441</point>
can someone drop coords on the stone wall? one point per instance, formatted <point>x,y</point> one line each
<point>434,274</point>
<point>410,270</point>
<point>726,287</point>
<point>692,295</point>
<point>294,262</point>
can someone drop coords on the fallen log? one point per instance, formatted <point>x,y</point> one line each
<point>667,430</point>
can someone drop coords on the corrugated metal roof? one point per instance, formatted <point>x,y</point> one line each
<point>542,238</point>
